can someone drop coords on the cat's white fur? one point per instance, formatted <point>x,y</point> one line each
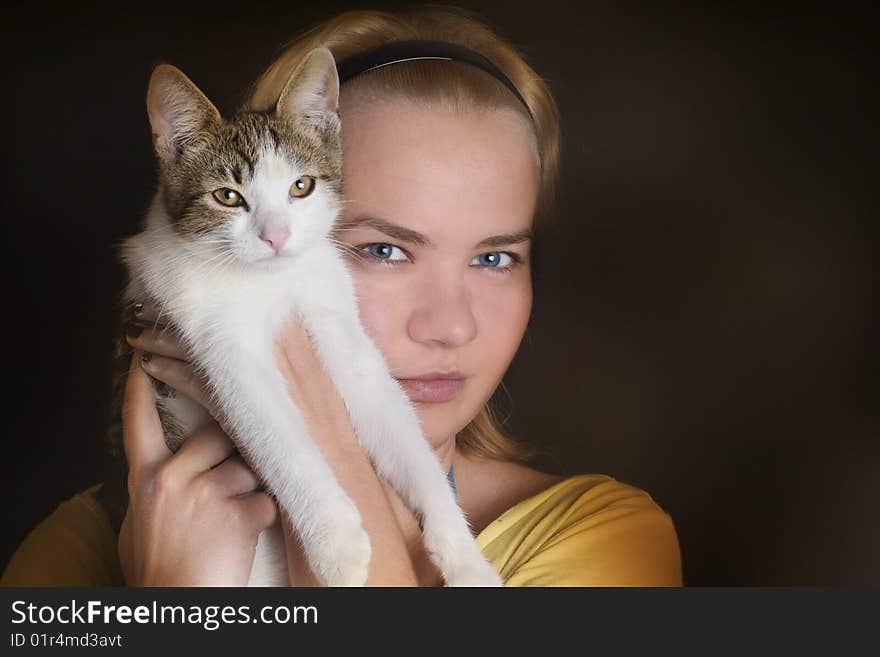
<point>229,309</point>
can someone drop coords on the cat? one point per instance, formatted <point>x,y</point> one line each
<point>237,242</point>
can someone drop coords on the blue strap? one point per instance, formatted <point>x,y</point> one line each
<point>450,477</point>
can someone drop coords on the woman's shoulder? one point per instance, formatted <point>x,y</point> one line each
<point>584,530</point>
<point>74,546</point>
<point>585,497</point>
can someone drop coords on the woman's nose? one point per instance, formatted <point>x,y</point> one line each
<point>444,315</point>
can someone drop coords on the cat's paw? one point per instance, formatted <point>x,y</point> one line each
<point>455,553</point>
<point>342,556</point>
<point>472,572</point>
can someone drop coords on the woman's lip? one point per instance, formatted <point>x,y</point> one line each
<point>433,376</point>
<point>434,390</point>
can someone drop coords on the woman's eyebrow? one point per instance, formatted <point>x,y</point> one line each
<point>383,226</point>
<point>410,236</point>
<point>506,240</point>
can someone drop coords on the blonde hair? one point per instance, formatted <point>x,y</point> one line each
<point>448,83</point>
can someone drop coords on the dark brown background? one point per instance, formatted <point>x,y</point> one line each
<point>703,323</point>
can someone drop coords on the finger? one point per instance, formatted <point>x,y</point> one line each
<point>161,341</point>
<point>233,476</point>
<point>179,375</point>
<point>261,509</point>
<point>308,384</point>
<point>202,450</point>
<point>125,549</point>
<point>145,313</point>
<point>143,438</point>
<point>296,358</point>
<point>296,344</point>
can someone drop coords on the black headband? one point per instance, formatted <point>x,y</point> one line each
<point>404,51</point>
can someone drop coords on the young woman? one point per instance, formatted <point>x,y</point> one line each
<point>450,162</point>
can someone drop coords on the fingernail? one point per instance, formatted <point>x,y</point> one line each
<point>146,357</point>
<point>133,330</point>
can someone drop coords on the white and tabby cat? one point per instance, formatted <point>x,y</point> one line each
<point>237,243</point>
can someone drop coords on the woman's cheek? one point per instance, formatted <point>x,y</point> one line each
<point>376,313</point>
<point>503,316</point>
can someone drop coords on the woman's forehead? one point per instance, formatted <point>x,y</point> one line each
<point>432,168</point>
<point>407,123</point>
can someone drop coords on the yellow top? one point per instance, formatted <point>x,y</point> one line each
<point>588,530</point>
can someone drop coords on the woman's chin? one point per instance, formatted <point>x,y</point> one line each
<point>438,424</point>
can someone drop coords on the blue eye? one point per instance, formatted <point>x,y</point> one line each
<point>493,259</point>
<point>382,251</point>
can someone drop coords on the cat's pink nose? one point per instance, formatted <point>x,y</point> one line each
<point>275,236</point>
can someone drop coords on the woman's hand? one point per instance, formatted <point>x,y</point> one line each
<point>330,427</point>
<point>194,516</point>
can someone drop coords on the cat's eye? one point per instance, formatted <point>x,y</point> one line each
<point>302,186</point>
<point>228,197</point>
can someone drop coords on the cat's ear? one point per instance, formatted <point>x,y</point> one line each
<point>312,91</point>
<point>178,111</point>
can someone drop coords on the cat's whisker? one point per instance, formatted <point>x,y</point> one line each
<point>345,227</point>
<point>161,310</point>
<point>221,254</point>
<point>347,248</point>
<point>219,240</point>
<point>218,260</point>
<point>219,265</point>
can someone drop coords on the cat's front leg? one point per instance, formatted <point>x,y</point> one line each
<point>270,432</point>
<point>388,429</point>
